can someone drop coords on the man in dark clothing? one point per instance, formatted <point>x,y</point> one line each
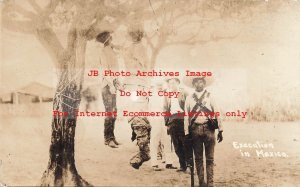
<point>201,128</point>
<point>109,87</point>
<point>135,57</point>
<point>141,132</point>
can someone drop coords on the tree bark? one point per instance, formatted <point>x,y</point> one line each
<point>61,170</point>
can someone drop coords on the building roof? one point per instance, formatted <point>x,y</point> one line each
<point>37,89</point>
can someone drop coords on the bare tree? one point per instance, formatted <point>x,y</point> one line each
<point>83,20</point>
<point>173,17</point>
<point>83,25</point>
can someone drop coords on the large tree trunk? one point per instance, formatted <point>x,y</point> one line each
<point>61,170</point>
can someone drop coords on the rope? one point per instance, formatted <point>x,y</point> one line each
<point>69,83</point>
<point>69,97</point>
<point>154,14</point>
<point>138,85</point>
<point>60,93</point>
<point>68,105</point>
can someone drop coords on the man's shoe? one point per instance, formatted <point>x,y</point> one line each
<point>136,165</point>
<point>170,166</point>
<point>116,142</point>
<point>138,160</point>
<point>156,168</point>
<point>181,170</point>
<point>112,144</point>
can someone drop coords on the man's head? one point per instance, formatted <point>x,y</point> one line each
<point>173,84</point>
<point>136,30</point>
<point>104,37</point>
<point>136,35</point>
<point>199,84</point>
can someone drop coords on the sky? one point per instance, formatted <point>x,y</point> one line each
<point>264,58</point>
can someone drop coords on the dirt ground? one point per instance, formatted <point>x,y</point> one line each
<point>25,144</point>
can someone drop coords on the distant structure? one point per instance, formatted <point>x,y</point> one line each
<point>34,92</point>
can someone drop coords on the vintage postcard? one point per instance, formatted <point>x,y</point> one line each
<point>150,93</point>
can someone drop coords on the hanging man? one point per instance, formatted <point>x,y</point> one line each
<point>135,58</point>
<point>110,85</point>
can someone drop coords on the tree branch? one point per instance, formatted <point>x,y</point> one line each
<point>149,42</point>
<point>50,8</point>
<point>12,7</point>
<point>26,27</point>
<point>212,38</point>
<point>35,6</point>
<point>49,40</point>
<point>99,25</point>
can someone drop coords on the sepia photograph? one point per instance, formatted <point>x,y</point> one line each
<point>200,93</point>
